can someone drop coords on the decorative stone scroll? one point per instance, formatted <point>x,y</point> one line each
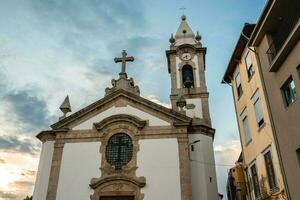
<point>123,83</point>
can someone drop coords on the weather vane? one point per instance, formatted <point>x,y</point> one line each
<point>182,8</point>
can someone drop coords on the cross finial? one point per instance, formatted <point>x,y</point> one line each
<point>124,59</point>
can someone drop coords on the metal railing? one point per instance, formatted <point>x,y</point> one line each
<point>282,33</point>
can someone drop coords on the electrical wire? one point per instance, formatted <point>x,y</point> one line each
<point>213,164</point>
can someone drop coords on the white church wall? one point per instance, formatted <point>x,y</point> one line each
<point>158,161</point>
<point>203,173</point>
<point>153,121</point>
<point>43,173</point>
<point>197,111</point>
<point>177,61</point>
<point>80,163</point>
<point>197,73</point>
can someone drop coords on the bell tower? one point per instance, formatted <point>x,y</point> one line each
<point>186,66</point>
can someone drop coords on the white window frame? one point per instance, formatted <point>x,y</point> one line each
<point>259,115</point>
<point>238,76</point>
<point>244,116</point>
<point>267,150</point>
<point>251,175</point>
<point>249,65</point>
<point>287,84</point>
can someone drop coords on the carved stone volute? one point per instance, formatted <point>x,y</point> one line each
<point>123,83</point>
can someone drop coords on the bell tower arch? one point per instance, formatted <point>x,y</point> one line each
<point>186,66</point>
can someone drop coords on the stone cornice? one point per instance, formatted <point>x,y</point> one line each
<point>197,127</point>
<point>50,135</point>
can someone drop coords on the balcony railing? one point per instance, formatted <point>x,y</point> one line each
<point>281,34</point>
<point>271,52</point>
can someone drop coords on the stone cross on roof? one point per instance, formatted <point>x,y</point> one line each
<point>124,59</point>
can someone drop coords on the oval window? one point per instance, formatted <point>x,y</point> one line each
<point>119,150</point>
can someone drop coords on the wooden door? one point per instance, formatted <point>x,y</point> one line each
<point>117,198</point>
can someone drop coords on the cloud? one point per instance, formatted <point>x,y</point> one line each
<point>13,144</point>
<point>226,155</point>
<point>84,28</point>
<point>28,173</point>
<point>154,99</point>
<point>22,184</point>
<point>8,195</point>
<point>29,109</point>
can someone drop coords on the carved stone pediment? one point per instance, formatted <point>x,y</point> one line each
<point>119,178</point>
<point>120,118</point>
<point>117,186</point>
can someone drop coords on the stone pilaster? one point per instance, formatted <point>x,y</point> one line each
<point>55,169</point>
<point>185,171</point>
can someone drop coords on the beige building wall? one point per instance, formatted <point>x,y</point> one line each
<point>275,39</point>
<point>261,138</point>
<point>286,118</point>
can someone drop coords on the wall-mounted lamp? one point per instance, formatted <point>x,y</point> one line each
<point>192,147</point>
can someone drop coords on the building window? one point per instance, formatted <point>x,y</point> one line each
<point>187,76</point>
<point>257,109</point>
<point>255,181</point>
<point>119,150</point>
<point>298,155</point>
<point>248,183</point>
<point>270,171</point>
<point>238,85</point>
<point>246,128</point>
<point>249,65</point>
<point>289,91</point>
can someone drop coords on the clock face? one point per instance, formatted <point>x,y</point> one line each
<point>186,56</point>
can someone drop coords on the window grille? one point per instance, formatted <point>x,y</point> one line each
<point>119,150</point>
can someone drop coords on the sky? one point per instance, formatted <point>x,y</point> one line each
<point>53,48</point>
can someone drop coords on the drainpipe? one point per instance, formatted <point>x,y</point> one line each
<point>272,122</point>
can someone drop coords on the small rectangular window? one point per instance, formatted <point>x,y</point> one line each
<point>255,181</point>
<point>249,65</point>
<point>289,91</point>
<point>238,85</point>
<point>257,109</point>
<point>246,128</point>
<point>270,171</point>
<point>248,182</point>
<point>298,155</point>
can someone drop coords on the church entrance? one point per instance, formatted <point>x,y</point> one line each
<point>117,198</point>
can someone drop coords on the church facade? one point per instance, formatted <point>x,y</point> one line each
<point>125,147</point>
